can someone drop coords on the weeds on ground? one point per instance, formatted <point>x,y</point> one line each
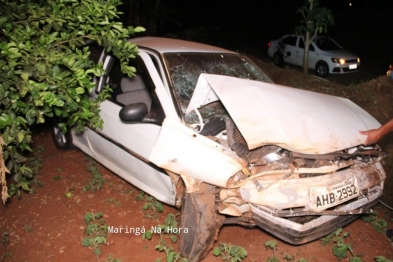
<point>379,224</point>
<point>230,252</point>
<point>382,259</point>
<point>96,231</point>
<point>5,240</point>
<point>113,201</point>
<point>96,181</point>
<point>272,244</point>
<point>28,228</point>
<point>341,249</point>
<point>151,204</point>
<point>112,259</point>
<point>168,233</point>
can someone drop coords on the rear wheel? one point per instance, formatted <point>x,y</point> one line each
<point>61,140</point>
<point>278,59</point>
<point>322,69</point>
<point>200,217</point>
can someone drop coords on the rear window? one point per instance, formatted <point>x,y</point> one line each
<point>289,40</point>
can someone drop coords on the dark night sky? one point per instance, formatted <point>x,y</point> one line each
<point>272,18</point>
<point>237,25</point>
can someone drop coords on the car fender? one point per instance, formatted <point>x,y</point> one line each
<point>181,150</point>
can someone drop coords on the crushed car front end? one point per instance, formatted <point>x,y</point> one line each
<point>300,198</point>
<point>304,171</point>
<point>288,160</point>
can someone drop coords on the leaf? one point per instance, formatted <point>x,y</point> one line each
<point>242,253</point>
<point>169,258</point>
<point>20,137</point>
<point>159,207</point>
<point>97,251</point>
<point>271,244</point>
<point>25,76</point>
<point>88,217</point>
<point>340,251</point>
<point>173,239</point>
<point>216,251</point>
<point>25,186</point>
<point>159,247</point>
<point>56,70</point>
<point>18,177</point>
<point>148,234</point>
<point>56,26</point>
<point>338,231</point>
<point>85,242</point>
<point>234,250</point>
<point>79,90</point>
<point>139,29</point>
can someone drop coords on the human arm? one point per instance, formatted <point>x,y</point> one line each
<point>373,135</point>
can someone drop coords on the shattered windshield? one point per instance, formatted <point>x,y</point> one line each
<point>185,68</point>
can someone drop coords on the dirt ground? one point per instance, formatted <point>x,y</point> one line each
<point>49,226</point>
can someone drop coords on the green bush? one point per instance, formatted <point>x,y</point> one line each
<point>45,70</point>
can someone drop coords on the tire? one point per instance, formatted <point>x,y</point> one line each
<point>322,69</point>
<point>278,59</point>
<point>199,215</point>
<point>61,141</point>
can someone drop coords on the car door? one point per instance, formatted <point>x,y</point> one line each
<point>125,147</point>
<point>289,49</point>
<point>312,55</point>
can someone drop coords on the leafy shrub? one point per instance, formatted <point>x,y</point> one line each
<point>46,70</point>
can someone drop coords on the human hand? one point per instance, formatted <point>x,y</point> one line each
<point>373,136</point>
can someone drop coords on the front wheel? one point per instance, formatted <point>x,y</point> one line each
<point>200,217</point>
<point>322,69</point>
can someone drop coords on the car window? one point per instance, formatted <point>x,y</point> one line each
<point>95,53</point>
<point>185,69</point>
<point>325,43</point>
<point>140,88</point>
<point>301,45</point>
<point>289,40</point>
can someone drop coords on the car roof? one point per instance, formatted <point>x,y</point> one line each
<point>318,36</point>
<point>170,45</point>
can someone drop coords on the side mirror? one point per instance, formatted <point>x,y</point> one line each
<point>135,112</point>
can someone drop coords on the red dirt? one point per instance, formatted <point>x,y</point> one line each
<point>48,226</point>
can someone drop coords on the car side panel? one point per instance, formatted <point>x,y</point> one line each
<point>131,168</point>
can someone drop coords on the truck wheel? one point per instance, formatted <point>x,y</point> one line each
<point>200,217</point>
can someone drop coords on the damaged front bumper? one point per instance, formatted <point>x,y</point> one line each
<point>288,208</point>
<point>297,233</point>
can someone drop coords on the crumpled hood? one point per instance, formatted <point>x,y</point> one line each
<point>294,119</point>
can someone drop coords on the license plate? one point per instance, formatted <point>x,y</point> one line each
<point>325,197</point>
<point>353,66</point>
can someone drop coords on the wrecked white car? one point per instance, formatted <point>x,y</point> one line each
<point>205,129</point>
